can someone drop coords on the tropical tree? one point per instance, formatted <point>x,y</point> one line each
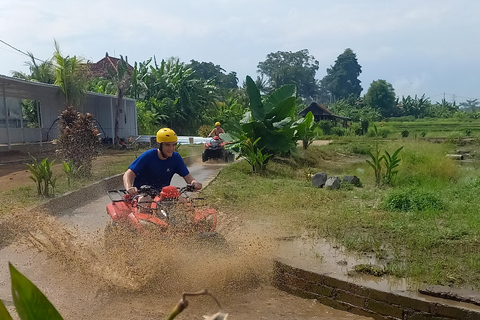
<point>138,86</point>
<point>72,76</point>
<point>43,72</point>
<point>443,109</point>
<point>210,71</point>
<point>341,80</point>
<point>120,75</point>
<point>297,68</point>
<point>470,105</point>
<point>267,128</point>
<point>178,95</point>
<point>416,107</point>
<point>381,97</point>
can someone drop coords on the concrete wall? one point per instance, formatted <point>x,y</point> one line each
<point>362,300</point>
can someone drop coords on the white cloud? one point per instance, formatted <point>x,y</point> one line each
<point>239,34</point>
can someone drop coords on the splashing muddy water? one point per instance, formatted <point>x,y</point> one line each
<point>145,280</point>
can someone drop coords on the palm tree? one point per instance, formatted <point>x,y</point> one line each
<point>71,76</point>
<point>121,76</point>
<point>43,72</point>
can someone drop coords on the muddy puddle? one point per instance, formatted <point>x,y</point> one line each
<point>144,278</point>
<point>318,255</point>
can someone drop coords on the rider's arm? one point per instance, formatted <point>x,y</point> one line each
<point>212,133</point>
<point>128,178</point>
<point>191,180</point>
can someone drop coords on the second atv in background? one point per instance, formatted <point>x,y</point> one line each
<point>215,149</point>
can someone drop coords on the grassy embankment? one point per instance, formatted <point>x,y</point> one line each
<point>109,163</point>
<point>426,227</point>
<point>434,128</point>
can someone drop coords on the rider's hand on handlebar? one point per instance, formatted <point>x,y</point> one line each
<point>132,191</point>
<point>197,185</point>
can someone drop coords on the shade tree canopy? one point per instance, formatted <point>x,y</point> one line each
<point>285,67</point>
<point>341,80</point>
<point>381,97</point>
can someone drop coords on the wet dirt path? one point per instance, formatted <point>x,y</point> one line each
<point>65,258</point>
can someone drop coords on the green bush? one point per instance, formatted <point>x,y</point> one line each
<point>360,148</point>
<point>326,126</point>
<point>382,132</point>
<point>405,133</point>
<point>412,200</point>
<point>204,130</point>
<point>338,131</point>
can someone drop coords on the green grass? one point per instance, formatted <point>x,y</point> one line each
<point>434,128</point>
<point>110,163</point>
<point>430,232</point>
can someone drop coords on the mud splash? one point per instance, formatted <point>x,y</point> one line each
<point>148,264</point>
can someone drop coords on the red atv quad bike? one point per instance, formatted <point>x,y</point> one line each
<point>170,211</point>
<point>215,149</point>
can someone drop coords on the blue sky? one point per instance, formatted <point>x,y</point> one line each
<point>429,47</point>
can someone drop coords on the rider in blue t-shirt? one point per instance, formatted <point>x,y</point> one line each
<point>156,167</point>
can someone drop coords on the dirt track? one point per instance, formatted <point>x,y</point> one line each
<point>65,257</point>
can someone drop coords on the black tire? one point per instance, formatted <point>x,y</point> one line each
<point>204,156</point>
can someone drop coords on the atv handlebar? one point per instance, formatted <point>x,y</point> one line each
<point>145,190</point>
<point>151,191</point>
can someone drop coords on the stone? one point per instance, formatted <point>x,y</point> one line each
<point>319,179</point>
<point>332,183</point>
<point>352,180</point>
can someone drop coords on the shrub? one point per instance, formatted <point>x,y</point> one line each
<point>412,200</point>
<point>360,148</point>
<point>375,132</point>
<point>338,131</point>
<point>79,140</point>
<point>326,126</point>
<point>405,133</point>
<point>204,131</point>
<point>423,134</point>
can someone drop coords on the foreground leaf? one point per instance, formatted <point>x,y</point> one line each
<point>4,312</point>
<point>30,302</point>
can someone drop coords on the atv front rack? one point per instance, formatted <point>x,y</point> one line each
<point>117,195</point>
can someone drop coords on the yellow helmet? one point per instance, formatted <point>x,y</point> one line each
<point>166,135</point>
<point>217,123</point>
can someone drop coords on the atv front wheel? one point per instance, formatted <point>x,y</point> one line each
<point>204,156</point>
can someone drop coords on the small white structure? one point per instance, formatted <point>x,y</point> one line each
<point>50,102</point>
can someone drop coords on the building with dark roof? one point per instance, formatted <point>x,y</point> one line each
<point>322,113</point>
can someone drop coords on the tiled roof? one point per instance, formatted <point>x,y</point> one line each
<point>102,67</point>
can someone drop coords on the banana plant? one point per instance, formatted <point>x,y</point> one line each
<point>391,162</point>
<point>376,164</point>
<point>42,175</point>
<point>305,130</point>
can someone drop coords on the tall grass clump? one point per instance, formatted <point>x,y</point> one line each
<point>413,199</point>
<point>426,163</point>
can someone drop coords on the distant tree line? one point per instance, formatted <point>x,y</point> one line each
<point>192,96</point>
